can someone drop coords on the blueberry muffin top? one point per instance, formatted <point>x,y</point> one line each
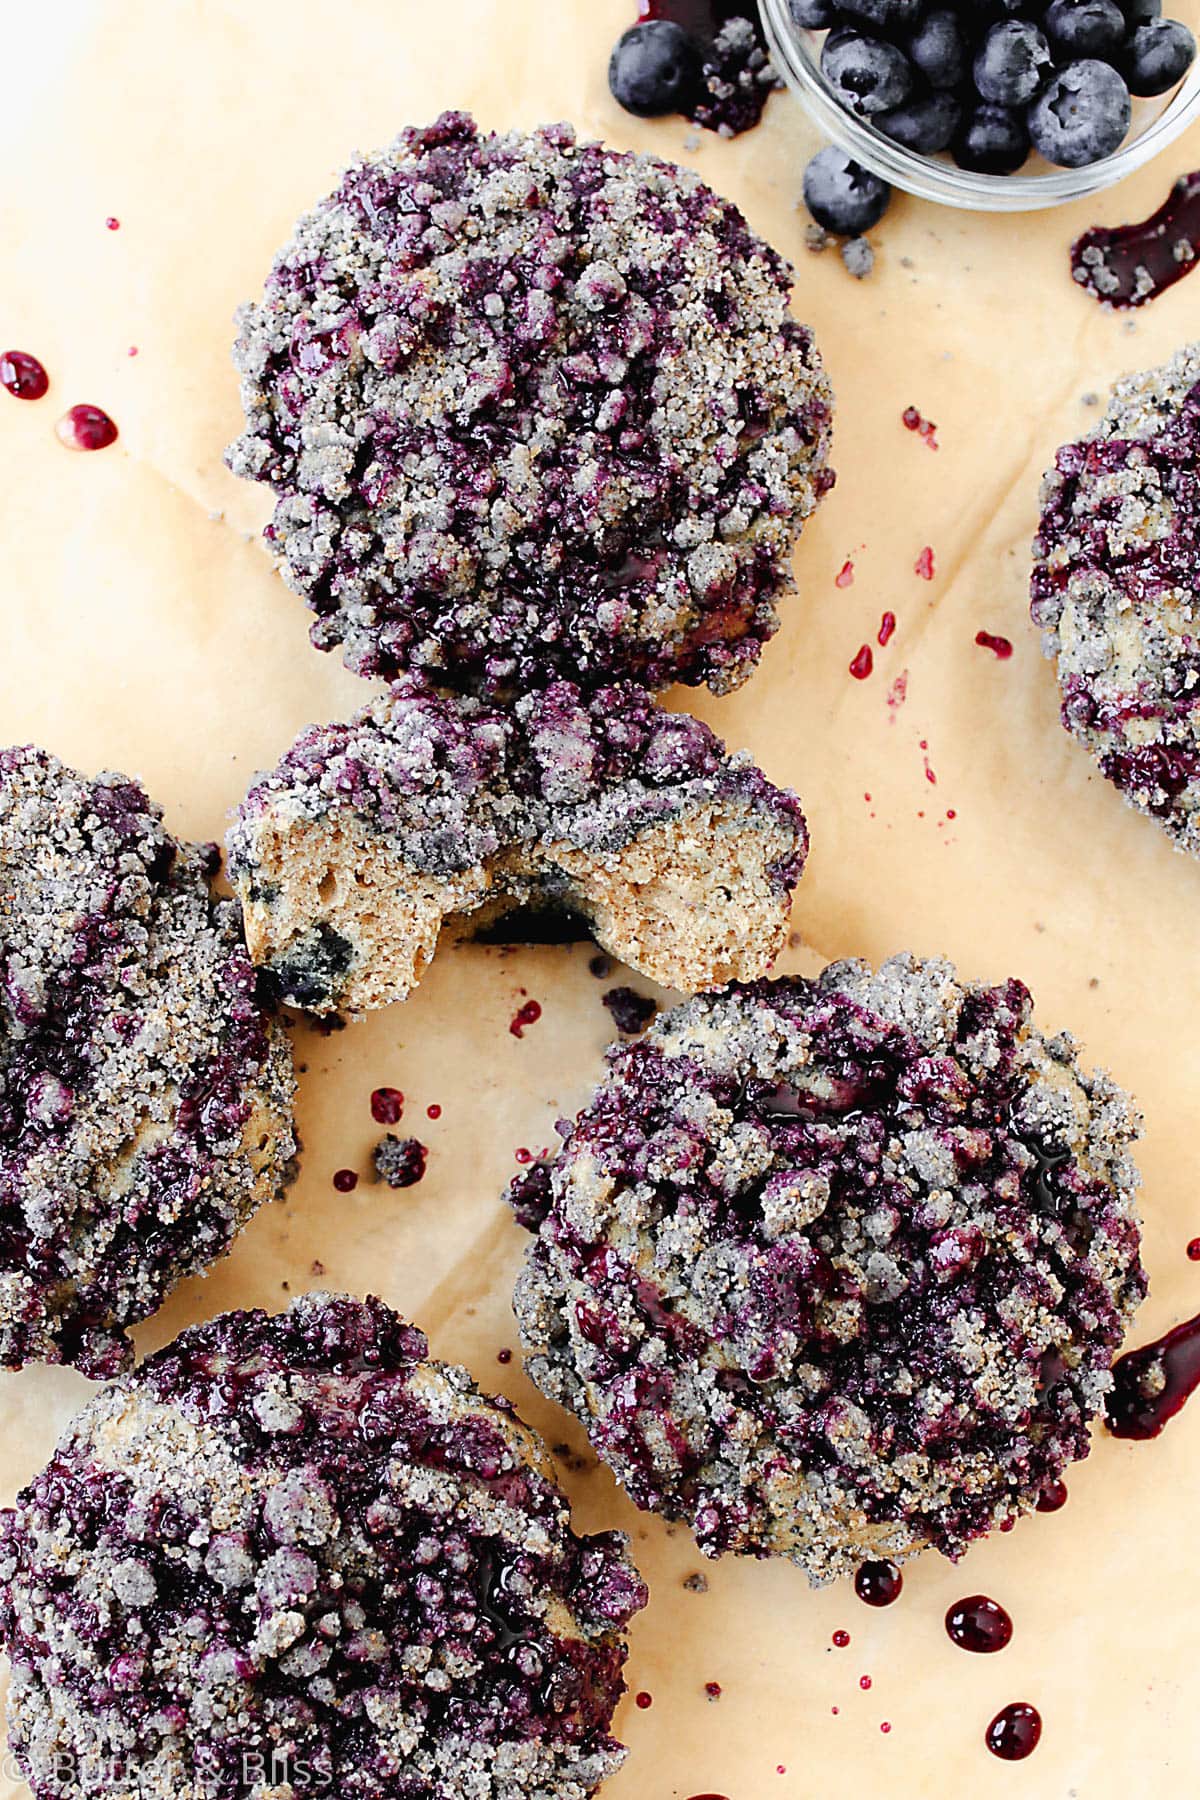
<point>292,1554</point>
<point>145,1091</point>
<point>1116,591</point>
<point>457,778</point>
<point>532,406</point>
<point>836,1268</point>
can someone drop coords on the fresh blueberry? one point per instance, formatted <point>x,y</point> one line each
<point>1082,116</point>
<point>993,141</point>
<point>812,15</point>
<point>938,48</point>
<point>841,195</point>
<point>925,125</point>
<point>1084,27</point>
<point>1012,63</point>
<point>868,75</point>
<point>1159,54</point>
<point>655,69</point>
<point>880,15</point>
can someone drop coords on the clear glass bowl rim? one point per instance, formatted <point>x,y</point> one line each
<point>930,178</point>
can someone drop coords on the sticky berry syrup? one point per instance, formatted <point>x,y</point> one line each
<point>1129,265</point>
<point>1150,1385</point>
<point>979,1625</point>
<point>878,1583</point>
<point>23,375</point>
<point>1014,1732</point>
<point>86,427</point>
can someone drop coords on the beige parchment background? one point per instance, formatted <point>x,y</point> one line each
<point>143,629</point>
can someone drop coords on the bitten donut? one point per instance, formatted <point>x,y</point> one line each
<point>351,855</point>
<point>531,407</point>
<point>292,1555</point>
<point>836,1269</point>
<point>1116,591</point>
<point>145,1092</point>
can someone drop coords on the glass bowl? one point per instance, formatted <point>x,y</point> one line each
<point>1156,123</point>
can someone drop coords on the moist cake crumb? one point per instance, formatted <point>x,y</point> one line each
<point>836,1269</point>
<point>400,1161</point>
<point>292,1554</point>
<point>429,806</point>
<point>532,406</point>
<point>1116,592</point>
<point>145,1090</point>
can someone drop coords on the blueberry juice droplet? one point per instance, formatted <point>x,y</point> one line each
<point>979,1624</point>
<point>878,1583</point>
<point>1014,1732</point>
<point>86,427</point>
<point>23,375</point>
<point>1150,1385</point>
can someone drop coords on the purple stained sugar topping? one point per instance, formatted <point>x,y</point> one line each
<point>457,779</point>
<point>531,406</point>
<point>1116,591</point>
<point>297,1536</point>
<point>145,1093</point>
<point>837,1268</point>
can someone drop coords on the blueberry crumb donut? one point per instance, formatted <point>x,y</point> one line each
<point>427,806</point>
<point>531,406</point>
<point>145,1091</point>
<point>1116,591</point>
<point>836,1268</point>
<point>292,1555</point>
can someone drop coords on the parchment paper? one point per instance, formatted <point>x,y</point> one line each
<point>144,629</point>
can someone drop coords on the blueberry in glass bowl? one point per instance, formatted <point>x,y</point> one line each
<point>1006,105</point>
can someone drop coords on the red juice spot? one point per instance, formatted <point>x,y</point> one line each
<point>950,813</point>
<point>979,1624</point>
<point>522,1155</point>
<point>113,224</point>
<point>924,564</point>
<point>845,575</point>
<point>1193,1250</point>
<point>1150,1385</point>
<point>86,427</point>
<point>1052,1497</point>
<point>841,1639</point>
<point>1008,1524</point>
<point>898,693</point>
<point>999,646</point>
<point>132,350</point>
<point>887,626</point>
<point>835,1710</point>
<point>885,1726</point>
<point>863,663</point>
<point>913,421</point>
<point>713,1689</point>
<point>709,1797</point>
<point>1014,1732</point>
<point>434,1111</point>
<point>387,1106</point>
<point>529,1014</point>
<point>644,1700</point>
<point>780,1769</point>
<point>345,1181</point>
<point>504,1356</point>
<point>878,1583</point>
<point>23,375</point>
<point>867,798</point>
<point>864,1682</point>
